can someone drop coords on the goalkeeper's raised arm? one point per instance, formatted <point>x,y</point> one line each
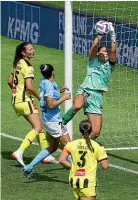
<point>94,47</point>
<point>113,43</point>
<point>95,50</point>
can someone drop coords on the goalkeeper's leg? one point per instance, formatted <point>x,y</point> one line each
<point>93,109</point>
<point>78,103</point>
<point>96,120</point>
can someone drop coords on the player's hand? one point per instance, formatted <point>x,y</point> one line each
<point>111,27</point>
<point>84,94</point>
<point>63,89</point>
<point>112,32</point>
<point>67,96</point>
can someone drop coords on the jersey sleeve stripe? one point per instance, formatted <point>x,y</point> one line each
<point>111,62</point>
<point>66,151</point>
<point>102,159</point>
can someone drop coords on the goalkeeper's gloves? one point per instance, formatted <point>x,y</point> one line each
<point>112,32</point>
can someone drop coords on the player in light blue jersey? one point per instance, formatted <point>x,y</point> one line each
<point>50,101</point>
<point>89,96</point>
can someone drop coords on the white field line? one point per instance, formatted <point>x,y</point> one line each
<point>107,149</point>
<point>124,169</point>
<point>121,148</point>
<point>15,138</point>
<point>113,166</point>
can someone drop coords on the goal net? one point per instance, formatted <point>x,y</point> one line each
<point>120,110</point>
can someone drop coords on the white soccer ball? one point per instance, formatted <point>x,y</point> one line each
<point>102,27</point>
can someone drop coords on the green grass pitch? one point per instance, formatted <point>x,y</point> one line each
<point>120,125</point>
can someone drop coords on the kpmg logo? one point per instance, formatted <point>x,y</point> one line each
<point>23,30</point>
<point>23,22</point>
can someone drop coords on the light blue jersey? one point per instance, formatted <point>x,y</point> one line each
<point>49,89</point>
<point>98,75</point>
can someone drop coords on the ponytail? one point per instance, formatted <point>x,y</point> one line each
<point>86,129</point>
<point>88,141</point>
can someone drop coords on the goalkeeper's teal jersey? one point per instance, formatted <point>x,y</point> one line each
<point>98,75</point>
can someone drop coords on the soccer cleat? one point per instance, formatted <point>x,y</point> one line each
<point>17,155</point>
<point>50,159</point>
<point>28,172</point>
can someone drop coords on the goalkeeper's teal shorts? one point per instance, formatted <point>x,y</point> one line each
<point>93,101</point>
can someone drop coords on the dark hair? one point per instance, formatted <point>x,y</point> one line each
<point>18,52</point>
<point>99,48</point>
<point>85,128</point>
<point>46,70</point>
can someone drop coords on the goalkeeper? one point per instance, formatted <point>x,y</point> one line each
<point>89,96</point>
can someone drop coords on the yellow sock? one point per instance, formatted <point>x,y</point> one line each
<point>28,140</point>
<point>41,138</point>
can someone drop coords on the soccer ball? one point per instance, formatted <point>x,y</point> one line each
<point>102,27</point>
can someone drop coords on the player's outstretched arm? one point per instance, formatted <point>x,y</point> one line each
<point>113,43</point>
<point>94,47</point>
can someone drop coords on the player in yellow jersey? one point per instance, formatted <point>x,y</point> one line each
<point>21,84</point>
<point>85,153</point>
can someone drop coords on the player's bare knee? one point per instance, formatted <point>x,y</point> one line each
<point>38,128</point>
<point>77,107</point>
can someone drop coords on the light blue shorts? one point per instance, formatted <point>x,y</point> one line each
<point>55,129</point>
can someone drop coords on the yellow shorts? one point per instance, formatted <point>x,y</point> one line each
<point>84,192</point>
<point>25,108</point>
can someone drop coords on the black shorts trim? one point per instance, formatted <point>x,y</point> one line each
<point>86,113</point>
<point>24,91</point>
<point>30,107</point>
<point>13,100</point>
<point>29,77</point>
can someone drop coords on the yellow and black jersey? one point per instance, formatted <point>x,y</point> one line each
<point>84,162</point>
<point>21,72</point>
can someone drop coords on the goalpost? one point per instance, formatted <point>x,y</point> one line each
<point>68,58</point>
<point>120,110</point>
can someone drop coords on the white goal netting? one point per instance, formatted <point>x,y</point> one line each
<point>120,111</point>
